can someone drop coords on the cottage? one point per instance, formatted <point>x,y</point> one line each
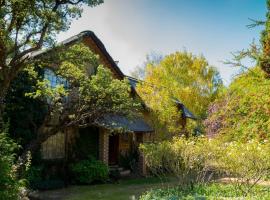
<point>101,140</point>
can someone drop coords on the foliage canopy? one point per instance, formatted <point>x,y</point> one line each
<point>242,111</point>
<point>28,26</point>
<point>180,75</point>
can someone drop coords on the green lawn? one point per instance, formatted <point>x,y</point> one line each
<point>211,191</point>
<point>124,190</point>
<point>163,189</point>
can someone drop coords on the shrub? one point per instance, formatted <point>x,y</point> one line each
<point>9,185</point>
<point>248,162</point>
<point>89,171</point>
<point>129,160</point>
<point>194,161</point>
<point>34,174</point>
<point>41,177</point>
<point>188,160</point>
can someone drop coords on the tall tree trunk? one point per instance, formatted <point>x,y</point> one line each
<point>3,92</point>
<point>6,78</point>
<point>2,108</point>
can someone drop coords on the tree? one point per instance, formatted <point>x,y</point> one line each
<point>140,71</point>
<point>264,59</point>
<point>24,114</point>
<point>27,26</point>
<point>242,111</point>
<point>80,98</point>
<point>183,76</point>
<point>258,53</point>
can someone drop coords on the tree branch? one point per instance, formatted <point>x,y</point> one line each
<point>16,62</point>
<point>2,3</point>
<point>71,2</point>
<point>27,39</point>
<point>255,23</point>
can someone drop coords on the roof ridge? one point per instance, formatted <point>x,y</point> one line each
<point>86,33</point>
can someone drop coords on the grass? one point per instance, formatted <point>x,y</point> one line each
<point>154,188</point>
<point>214,191</point>
<point>125,190</point>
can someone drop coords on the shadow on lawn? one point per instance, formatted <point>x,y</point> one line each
<point>130,189</point>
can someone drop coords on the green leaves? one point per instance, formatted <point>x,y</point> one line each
<point>88,171</point>
<point>91,91</point>
<point>27,26</point>
<point>242,112</point>
<point>104,92</point>
<point>183,76</point>
<point>190,161</point>
<point>9,186</point>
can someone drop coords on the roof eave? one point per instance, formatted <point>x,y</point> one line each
<point>80,36</point>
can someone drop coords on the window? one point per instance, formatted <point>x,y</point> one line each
<point>54,79</point>
<point>90,69</point>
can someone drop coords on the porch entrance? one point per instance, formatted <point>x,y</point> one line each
<point>113,149</point>
<point>87,143</point>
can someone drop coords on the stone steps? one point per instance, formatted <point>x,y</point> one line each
<point>123,172</point>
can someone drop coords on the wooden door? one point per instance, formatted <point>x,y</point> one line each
<point>113,149</point>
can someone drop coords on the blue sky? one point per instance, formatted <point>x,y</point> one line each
<point>130,29</point>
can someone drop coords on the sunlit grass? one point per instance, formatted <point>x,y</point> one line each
<point>130,189</point>
<point>155,188</point>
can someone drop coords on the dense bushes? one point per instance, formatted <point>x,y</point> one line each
<point>37,179</point>
<point>194,161</point>
<point>247,162</point>
<point>188,160</point>
<point>9,185</point>
<point>89,171</point>
<point>129,160</point>
<point>242,111</point>
<point>34,175</point>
